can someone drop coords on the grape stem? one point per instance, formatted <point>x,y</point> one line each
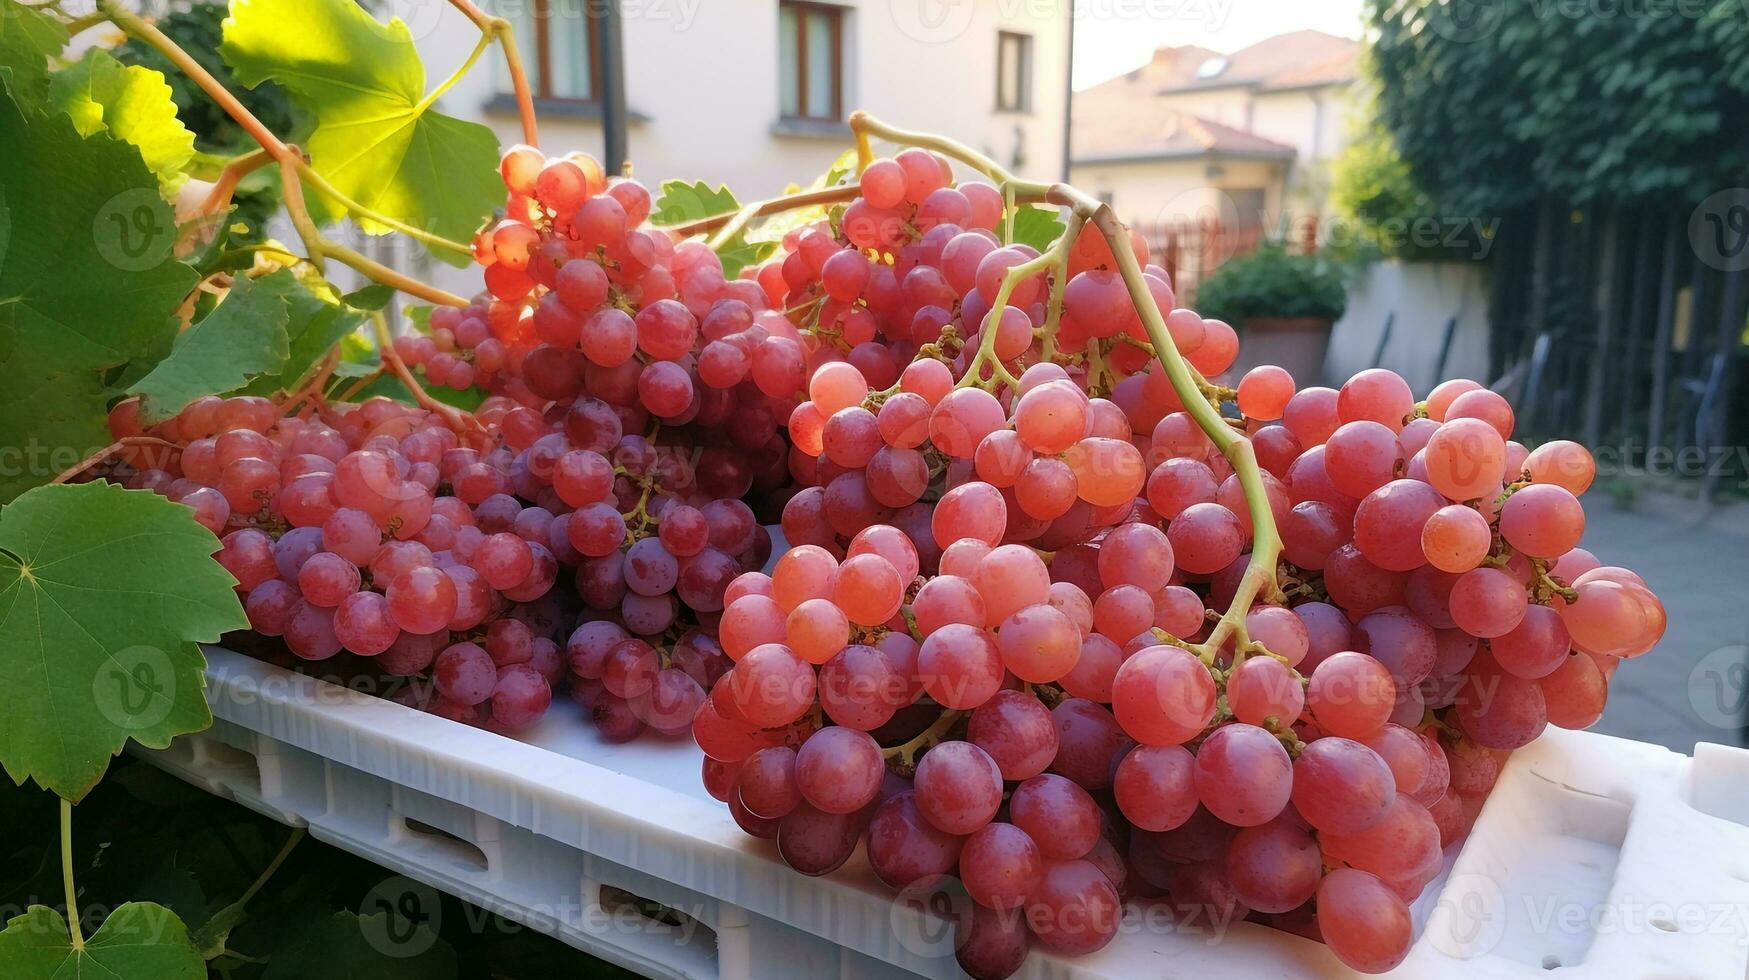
<point>108,451</point>
<point>1191,388</point>
<point>312,389</point>
<point>462,423</point>
<point>73,928</point>
<point>786,202</point>
<point>1259,578</point>
<point>906,753</point>
<point>219,197</point>
<point>498,29</point>
<point>293,169</point>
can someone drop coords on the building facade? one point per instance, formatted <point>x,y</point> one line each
<point>1200,136</point>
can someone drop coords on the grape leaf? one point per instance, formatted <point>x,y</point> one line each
<point>313,326</point>
<point>681,202</point>
<point>738,253</point>
<point>139,941</point>
<point>375,296</point>
<point>104,595</point>
<point>389,386</point>
<point>244,337</point>
<point>28,39</point>
<point>88,284</point>
<point>133,103</point>
<point>376,138</point>
<point>1036,226</point>
<point>382,946</point>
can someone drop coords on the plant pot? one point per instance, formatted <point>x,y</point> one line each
<point>1297,343</point>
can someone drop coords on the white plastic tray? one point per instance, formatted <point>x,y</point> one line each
<point>1595,857</point>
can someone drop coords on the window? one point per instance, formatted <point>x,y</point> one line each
<point>1013,72</point>
<point>810,51</point>
<point>560,42</point>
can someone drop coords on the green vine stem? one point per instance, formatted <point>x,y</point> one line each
<point>292,168</point>
<point>906,753</point>
<point>1259,576</point>
<point>1191,388</point>
<point>67,876</point>
<point>498,29</point>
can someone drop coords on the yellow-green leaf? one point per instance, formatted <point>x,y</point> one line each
<point>377,139</point>
<point>133,103</point>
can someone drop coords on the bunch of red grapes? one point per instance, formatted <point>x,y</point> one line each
<point>981,659</point>
<point>998,655</point>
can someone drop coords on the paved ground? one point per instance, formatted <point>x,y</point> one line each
<point>1694,687</point>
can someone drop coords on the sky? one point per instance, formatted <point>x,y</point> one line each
<point>1116,36</point>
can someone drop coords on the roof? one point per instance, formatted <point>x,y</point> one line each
<point>1135,117</point>
<point>1284,61</point>
<point>1166,133</point>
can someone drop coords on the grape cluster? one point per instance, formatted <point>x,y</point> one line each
<point>1025,638</point>
<point>376,531</point>
<point>988,653</point>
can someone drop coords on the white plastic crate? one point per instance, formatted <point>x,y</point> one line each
<point>1595,857</point>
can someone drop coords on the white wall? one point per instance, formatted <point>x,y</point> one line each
<point>1180,190</point>
<point>1424,296</point>
<point>705,73</point>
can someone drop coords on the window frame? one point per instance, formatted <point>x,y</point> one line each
<point>542,89</point>
<point>1023,74</point>
<point>834,14</point>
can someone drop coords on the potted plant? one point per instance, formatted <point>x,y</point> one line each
<point>1282,304</point>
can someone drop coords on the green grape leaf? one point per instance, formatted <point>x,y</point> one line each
<point>104,595</point>
<point>28,39</point>
<point>5,227</point>
<point>680,202</point>
<point>314,325</point>
<point>389,386</point>
<point>375,296</point>
<point>1036,226</point>
<point>88,284</point>
<point>243,337</point>
<point>737,253</point>
<point>139,941</point>
<point>383,946</point>
<point>376,138</point>
<point>133,103</point>
<point>418,316</point>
